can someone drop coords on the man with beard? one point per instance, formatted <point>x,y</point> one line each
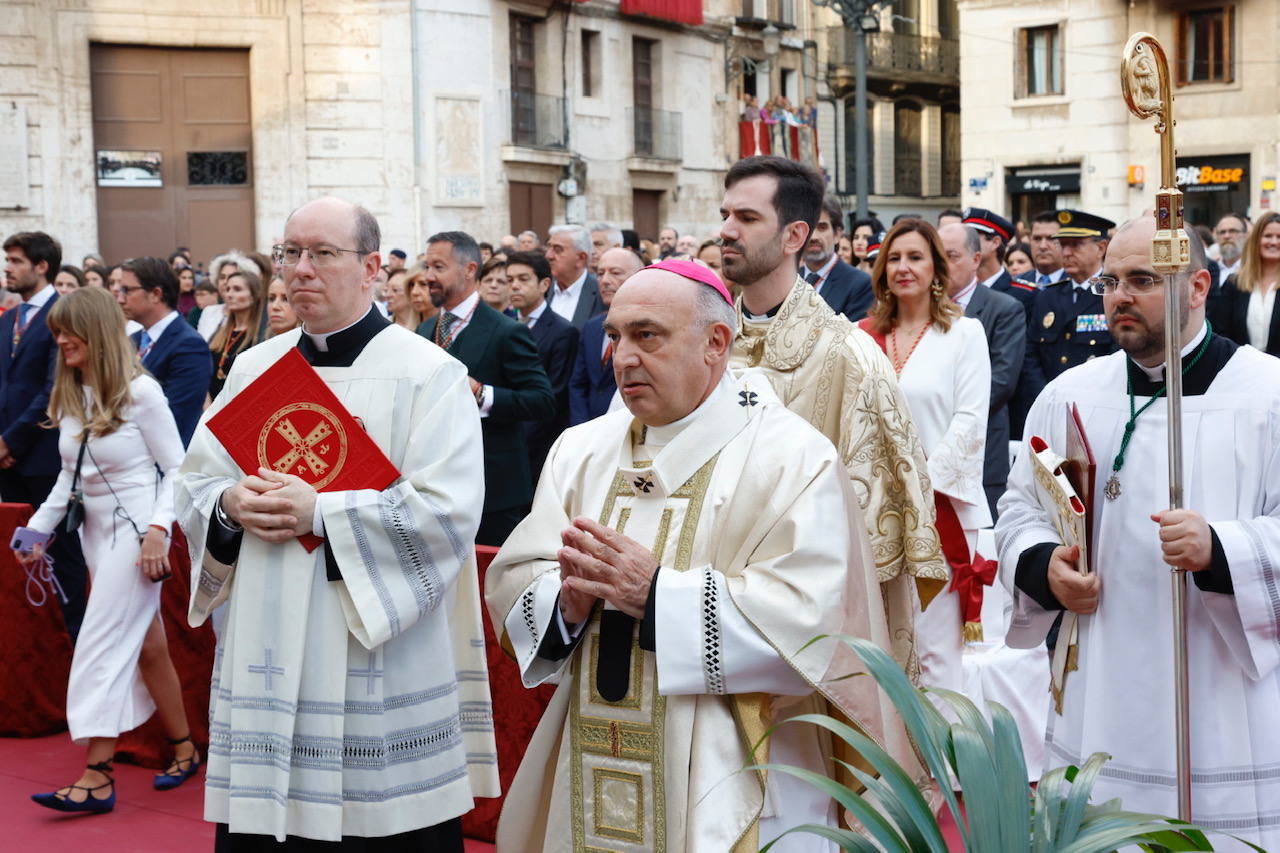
<point>667,238</point>
<point>504,372</point>
<point>592,384</point>
<point>1229,234</point>
<point>833,375</point>
<point>29,459</point>
<point>1118,701</point>
<point>846,289</point>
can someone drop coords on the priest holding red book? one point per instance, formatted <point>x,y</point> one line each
<point>331,502</point>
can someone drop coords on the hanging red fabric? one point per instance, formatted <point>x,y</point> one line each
<point>680,11</point>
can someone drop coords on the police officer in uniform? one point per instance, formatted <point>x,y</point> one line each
<point>1068,326</point>
<point>995,232</point>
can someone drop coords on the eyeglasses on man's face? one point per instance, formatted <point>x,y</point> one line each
<point>1135,285</point>
<point>321,255</point>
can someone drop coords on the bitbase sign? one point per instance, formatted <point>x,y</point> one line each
<point>1211,174</point>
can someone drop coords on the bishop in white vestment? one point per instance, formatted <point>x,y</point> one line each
<point>1120,699</point>
<point>739,513</point>
<point>350,691</point>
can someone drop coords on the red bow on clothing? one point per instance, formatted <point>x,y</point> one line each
<point>968,576</point>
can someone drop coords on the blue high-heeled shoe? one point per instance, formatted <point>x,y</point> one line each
<point>60,802</point>
<point>187,768</point>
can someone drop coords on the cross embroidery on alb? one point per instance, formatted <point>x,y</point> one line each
<point>370,674</point>
<point>265,669</point>
<point>301,448</point>
<point>643,484</point>
<point>748,398</point>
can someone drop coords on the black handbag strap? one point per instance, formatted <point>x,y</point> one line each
<point>75,479</point>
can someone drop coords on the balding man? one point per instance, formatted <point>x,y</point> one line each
<point>678,636</point>
<point>591,386</point>
<point>1119,700</point>
<point>350,697</point>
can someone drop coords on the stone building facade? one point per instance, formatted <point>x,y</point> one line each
<point>1045,125</point>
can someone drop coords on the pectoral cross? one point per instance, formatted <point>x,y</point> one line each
<point>303,449</point>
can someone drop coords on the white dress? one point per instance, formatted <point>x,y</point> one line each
<point>105,694</point>
<point>947,383</point>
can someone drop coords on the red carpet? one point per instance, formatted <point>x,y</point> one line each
<point>144,820</point>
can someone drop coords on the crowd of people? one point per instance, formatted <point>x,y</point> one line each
<point>696,454</point>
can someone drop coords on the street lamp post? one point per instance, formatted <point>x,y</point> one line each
<point>860,17</point>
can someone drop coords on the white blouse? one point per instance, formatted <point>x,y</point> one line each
<point>1258,320</point>
<point>947,383</point>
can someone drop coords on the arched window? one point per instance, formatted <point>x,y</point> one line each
<point>907,137</point>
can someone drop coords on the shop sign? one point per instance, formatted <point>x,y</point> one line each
<point>1043,182</point>
<point>1209,178</point>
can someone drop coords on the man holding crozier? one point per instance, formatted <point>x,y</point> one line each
<point>350,697</point>
<point>679,555</point>
<point>1119,701</point>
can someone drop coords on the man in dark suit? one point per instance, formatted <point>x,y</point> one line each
<point>529,277</point>
<point>1004,322</point>
<point>506,376</point>
<point>170,349</point>
<point>846,289</point>
<point>1046,254</point>
<point>995,232</point>
<point>29,459</point>
<point>592,385</point>
<point>575,292</point>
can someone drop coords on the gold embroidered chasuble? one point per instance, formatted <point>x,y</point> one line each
<point>833,375</point>
<point>747,490</point>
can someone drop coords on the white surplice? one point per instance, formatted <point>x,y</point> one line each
<point>360,706</point>
<point>1120,700</point>
<point>747,509</point>
<point>947,383</point>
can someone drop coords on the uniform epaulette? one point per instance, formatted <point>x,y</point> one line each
<point>1025,285</point>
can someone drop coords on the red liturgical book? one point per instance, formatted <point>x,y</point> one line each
<point>289,421</point>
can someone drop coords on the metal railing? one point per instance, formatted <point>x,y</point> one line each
<point>656,133</point>
<point>537,121</point>
<point>898,52</point>
<point>951,177</point>
<point>906,176</point>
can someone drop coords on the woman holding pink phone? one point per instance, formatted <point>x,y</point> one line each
<point>116,433</point>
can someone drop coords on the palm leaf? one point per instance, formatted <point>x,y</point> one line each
<point>878,827</point>
<point>846,838</point>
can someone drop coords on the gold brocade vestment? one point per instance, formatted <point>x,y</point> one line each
<point>833,375</point>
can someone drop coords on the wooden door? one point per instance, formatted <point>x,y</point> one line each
<point>645,213</point>
<point>192,108</point>
<point>532,207</point>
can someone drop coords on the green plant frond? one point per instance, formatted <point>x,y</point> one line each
<point>1011,772</point>
<point>912,815</point>
<point>983,809</point>
<point>846,838</point>
<point>1141,829</point>
<point>1050,795</point>
<point>929,733</point>
<point>968,714</point>
<point>1081,788</point>
<point>877,825</point>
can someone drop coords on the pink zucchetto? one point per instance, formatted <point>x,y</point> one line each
<point>694,272</point>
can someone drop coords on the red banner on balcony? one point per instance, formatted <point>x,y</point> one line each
<point>680,11</point>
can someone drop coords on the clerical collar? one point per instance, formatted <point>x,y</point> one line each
<point>1197,379</point>
<point>759,318</point>
<point>1156,374</point>
<point>341,347</point>
<point>661,436</point>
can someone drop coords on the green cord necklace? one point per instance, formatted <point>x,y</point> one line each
<point>1112,489</point>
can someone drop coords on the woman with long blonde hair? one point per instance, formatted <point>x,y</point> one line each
<point>116,430</point>
<point>243,300</point>
<point>1245,309</point>
<point>944,370</point>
